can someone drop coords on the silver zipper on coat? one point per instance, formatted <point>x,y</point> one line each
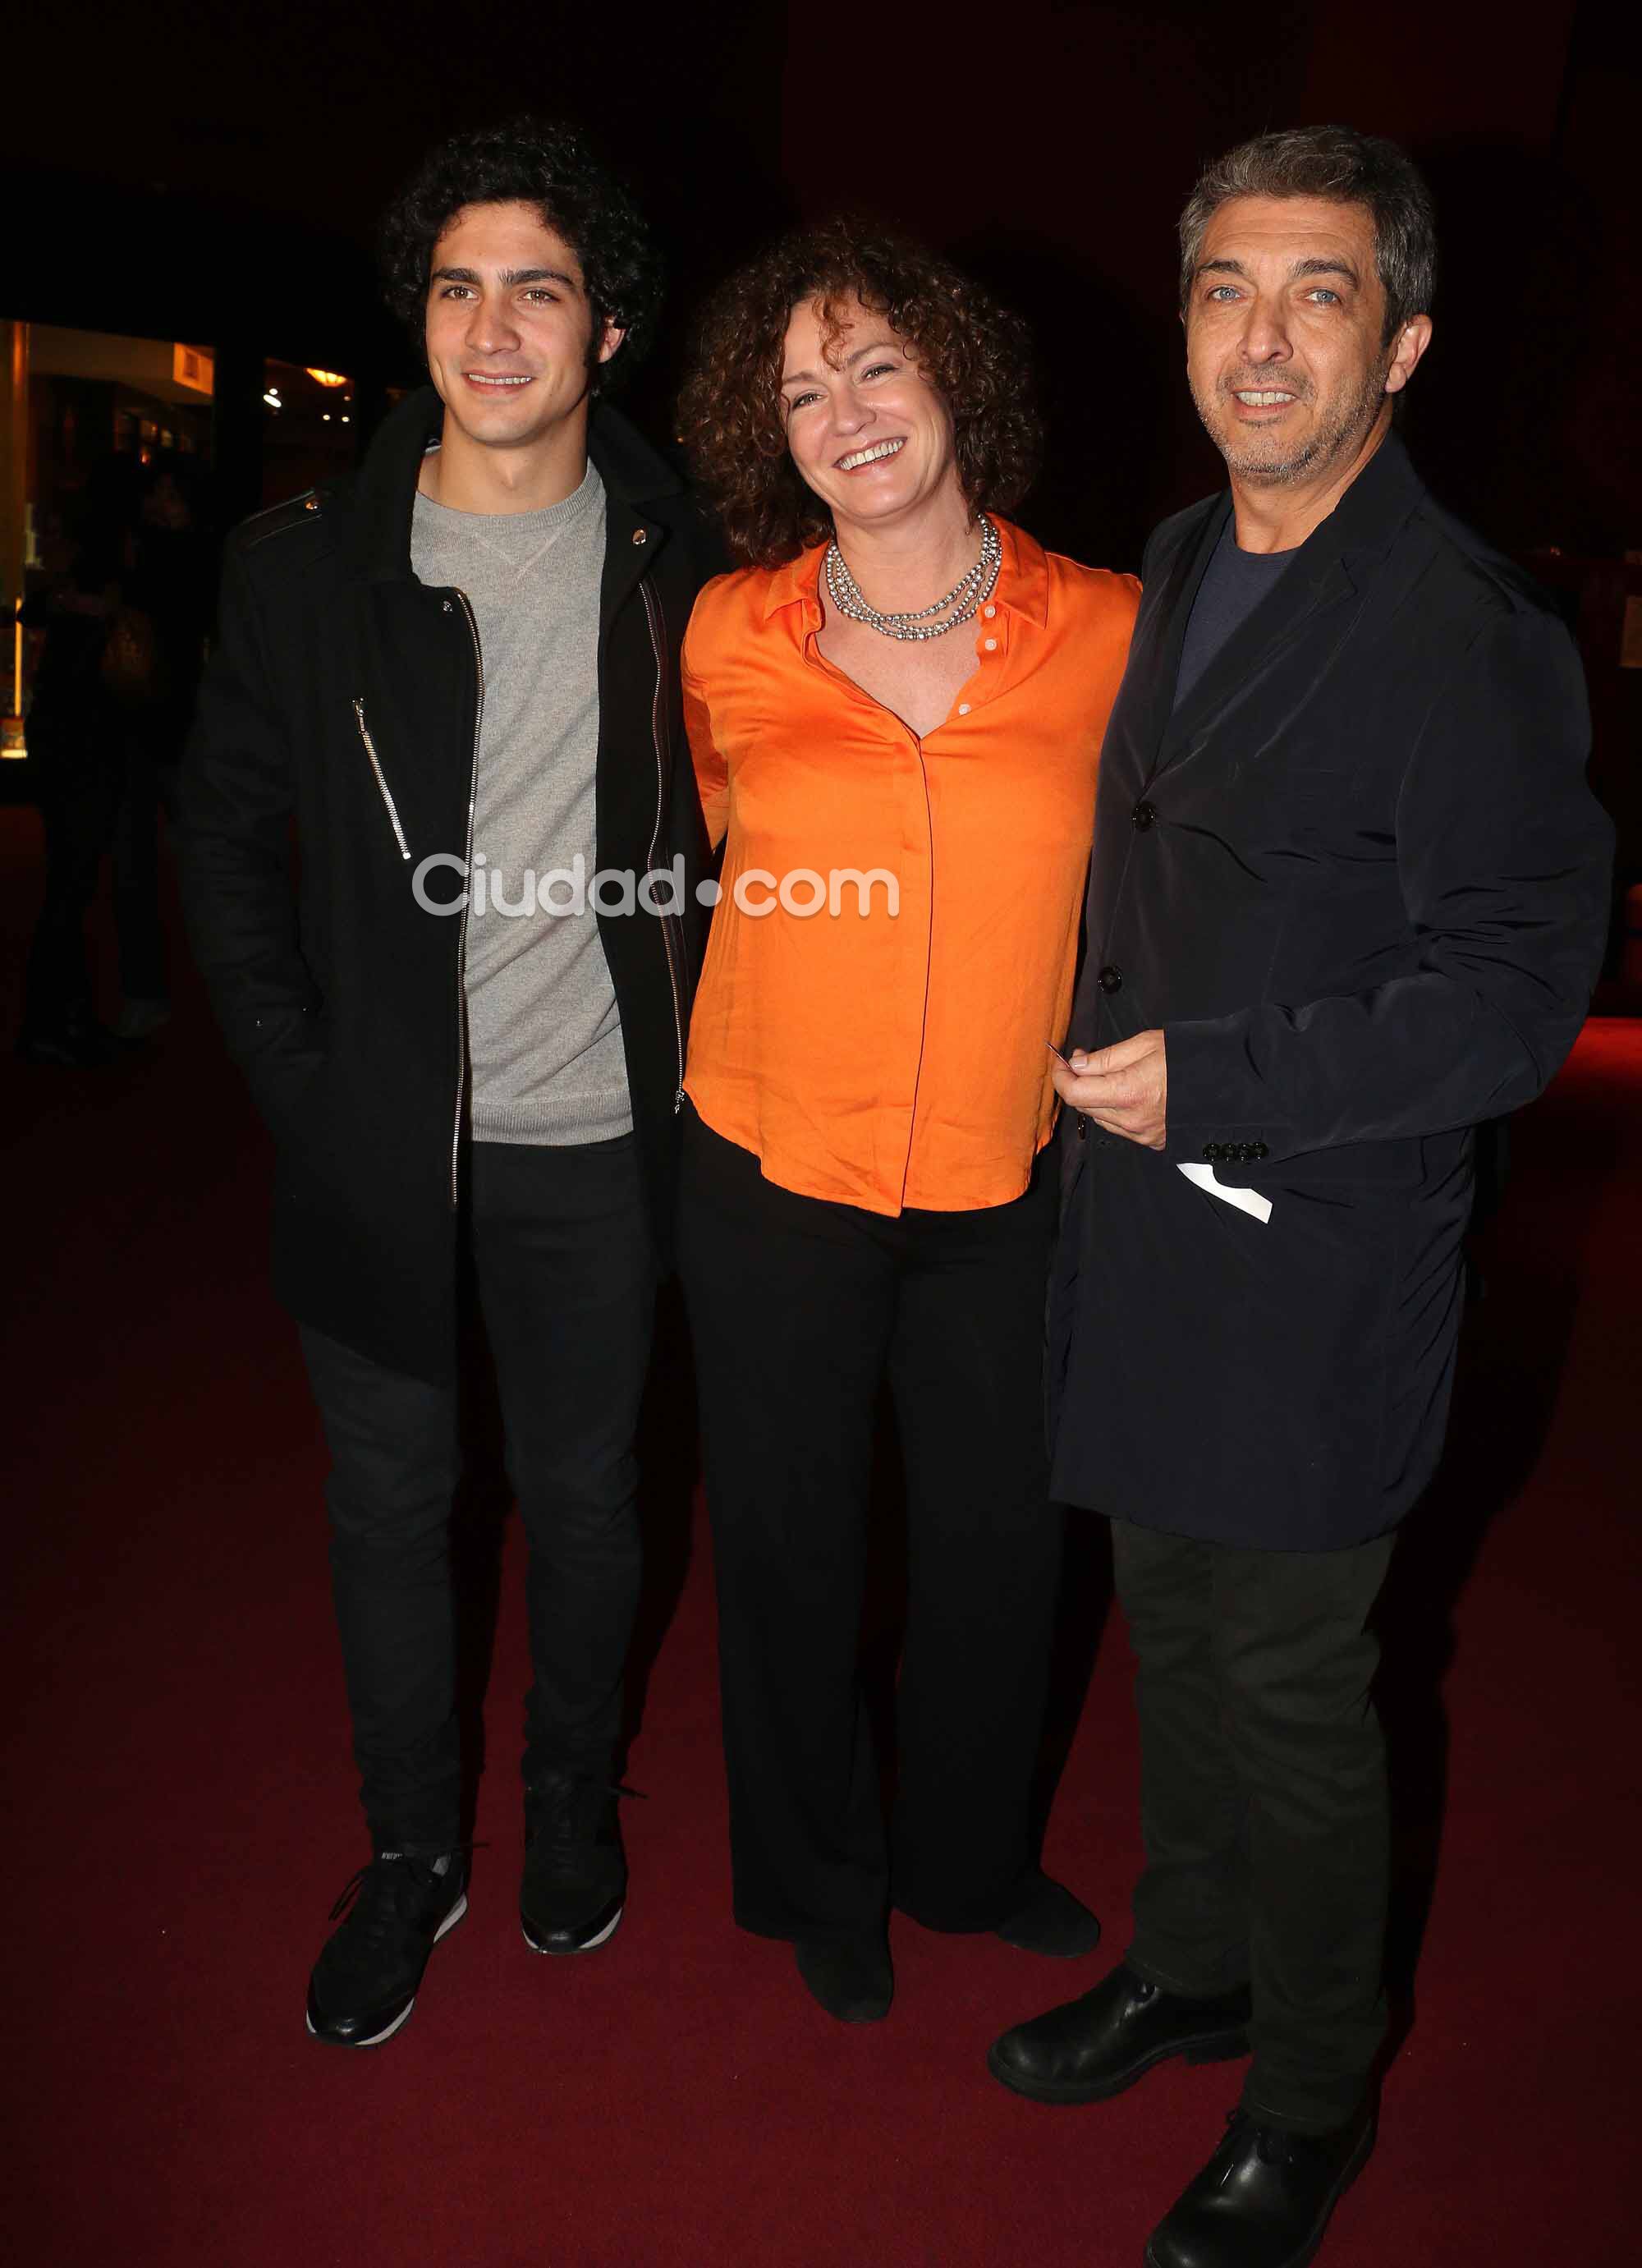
<point>461,935</point>
<point>658,726</point>
<point>370,749</point>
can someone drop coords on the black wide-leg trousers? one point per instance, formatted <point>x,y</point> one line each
<point>565,1272</point>
<point>800,1310</point>
<point>1263,1803</point>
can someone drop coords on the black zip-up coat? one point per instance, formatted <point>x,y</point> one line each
<point>1357,878</point>
<point>341,998</point>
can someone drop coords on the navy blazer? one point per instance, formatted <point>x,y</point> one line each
<point>1358,878</point>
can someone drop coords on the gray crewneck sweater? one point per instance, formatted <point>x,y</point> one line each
<point>544,1035</point>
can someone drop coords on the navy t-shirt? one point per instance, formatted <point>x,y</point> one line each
<point>1233,583</point>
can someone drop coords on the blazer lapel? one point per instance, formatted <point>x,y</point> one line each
<point>1154,666</point>
<point>1317,599</point>
<point>1300,607</point>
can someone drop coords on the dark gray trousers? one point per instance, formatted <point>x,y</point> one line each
<point>1263,1803</point>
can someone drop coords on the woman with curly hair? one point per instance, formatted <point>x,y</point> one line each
<point>895,711</point>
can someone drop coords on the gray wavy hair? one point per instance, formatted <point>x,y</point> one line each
<point>1351,168</point>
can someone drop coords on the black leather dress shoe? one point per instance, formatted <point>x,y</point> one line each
<point>1098,2046</point>
<point>1264,2199</point>
<point>1048,1919</point>
<point>851,1978</point>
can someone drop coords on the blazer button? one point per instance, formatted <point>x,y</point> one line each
<point>1256,1151</point>
<point>1143,816</point>
<point>1110,980</point>
<point>1213,1152</point>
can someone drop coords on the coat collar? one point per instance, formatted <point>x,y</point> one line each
<point>1360,528</point>
<point>1330,571</point>
<point>378,503</point>
<point>1023,579</point>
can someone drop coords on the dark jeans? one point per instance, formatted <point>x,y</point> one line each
<point>566,1281</point>
<point>799,1310</point>
<point>1263,1801</point>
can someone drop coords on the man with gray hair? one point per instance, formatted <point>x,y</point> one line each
<point>1348,898</point>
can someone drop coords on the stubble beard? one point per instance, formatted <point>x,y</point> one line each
<point>1260,463</point>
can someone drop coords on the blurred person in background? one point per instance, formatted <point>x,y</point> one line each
<point>91,650</point>
<point>170,583</point>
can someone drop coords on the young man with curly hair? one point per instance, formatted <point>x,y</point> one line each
<point>457,672</point>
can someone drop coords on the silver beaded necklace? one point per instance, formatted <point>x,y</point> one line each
<point>966,598</point>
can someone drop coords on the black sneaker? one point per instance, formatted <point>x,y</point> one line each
<point>575,1869</point>
<point>364,1982</point>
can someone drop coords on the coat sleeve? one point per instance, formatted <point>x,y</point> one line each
<point>235,800</point>
<point>1503,857</point>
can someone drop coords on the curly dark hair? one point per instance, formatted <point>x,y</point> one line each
<point>550,165</point>
<point>975,353</point>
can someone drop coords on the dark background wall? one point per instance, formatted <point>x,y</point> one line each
<point>178,173</point>
<point>1055,145</point>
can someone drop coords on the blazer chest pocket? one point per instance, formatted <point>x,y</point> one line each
<point>1299,821</point>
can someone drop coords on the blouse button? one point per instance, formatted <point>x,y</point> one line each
<point>989,612</point>
<point>963,708</point>
<point>992,645</point>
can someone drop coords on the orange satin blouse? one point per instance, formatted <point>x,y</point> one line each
<point>890,1059</point>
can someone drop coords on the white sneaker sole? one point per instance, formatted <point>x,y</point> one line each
<point>566,1952</point>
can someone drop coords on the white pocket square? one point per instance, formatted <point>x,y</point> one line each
<point>1248,1201</point>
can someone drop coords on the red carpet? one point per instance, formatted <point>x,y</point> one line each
<point>183,1808</point>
